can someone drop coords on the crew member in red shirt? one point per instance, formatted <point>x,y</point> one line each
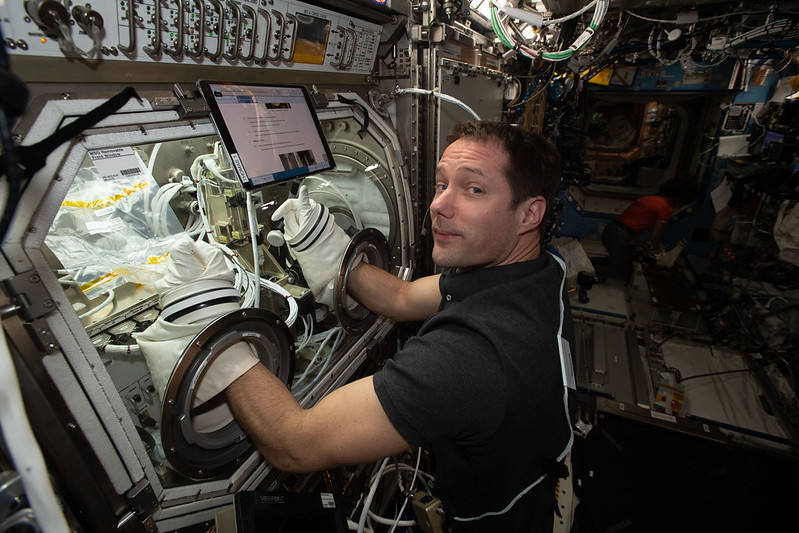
<point>623,234</point>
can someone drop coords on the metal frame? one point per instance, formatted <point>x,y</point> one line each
<point>115,455</point>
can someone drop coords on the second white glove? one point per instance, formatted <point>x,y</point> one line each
<point>316,241</point>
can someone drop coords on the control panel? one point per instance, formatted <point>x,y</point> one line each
<point>268,33</point>
<point>737,118</point>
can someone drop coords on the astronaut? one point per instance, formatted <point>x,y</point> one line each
<point>485,382</point>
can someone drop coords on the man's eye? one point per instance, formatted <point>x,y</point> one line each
<point>477,190</point>
<point>440,187</point>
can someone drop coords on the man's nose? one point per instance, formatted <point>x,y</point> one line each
<point>441,204</point>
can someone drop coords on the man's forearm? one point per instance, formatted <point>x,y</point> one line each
<point>265,408</point>
<point>375,288</point>
<point>347,426</point>
<point>387,295</point>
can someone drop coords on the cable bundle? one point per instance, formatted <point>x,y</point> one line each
<point>600,10</point>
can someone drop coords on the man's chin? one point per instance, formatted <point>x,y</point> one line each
<point>443,260</point>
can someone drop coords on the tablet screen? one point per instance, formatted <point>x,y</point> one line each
<point>270,132</point>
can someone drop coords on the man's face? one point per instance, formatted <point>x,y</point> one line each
<point>473,223</point>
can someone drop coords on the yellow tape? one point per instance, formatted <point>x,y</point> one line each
<point>153,260</point>
<point>98,281</point>
<point>108,200</point>
<point>157,259</point>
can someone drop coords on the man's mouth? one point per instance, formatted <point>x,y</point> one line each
<point>443,234</point>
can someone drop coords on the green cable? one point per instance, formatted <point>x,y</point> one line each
<point>498,30</point>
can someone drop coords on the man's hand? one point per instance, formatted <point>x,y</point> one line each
<point>316,241</point>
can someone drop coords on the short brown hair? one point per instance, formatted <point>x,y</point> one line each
<point>534,164</point>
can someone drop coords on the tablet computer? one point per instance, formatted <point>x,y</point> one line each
<point>270,132</point>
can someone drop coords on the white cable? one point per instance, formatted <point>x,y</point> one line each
<point>684,55</point>
<point>122,348</point>
<point>599,15</point>
<point>209,232</point>
<point>251,291</point>
<point>601,9</point>
<point>328,335</point>
<point>405,500</point>
<point>569,17</point>
<point>307,323</point>
<point>196,177</point>
<point>69,282</point>
<point>160,209</point>
<point>423,476</point>
<point>441,96</point>
<point>368,502</point>
<point>212,164</point>
<point>108,300</point>
<point>194,225</point>
<point>206,161</point>
<point>319,336</point>
<point>196,166</point>
<point>153,154</point>
<point>24,449</point>
<point>253,282</point>
<point>504,36</point>
<point>352,526</point>
<point>232,260</point>
<point>777,26</point>
<point>256,264</point>
<point>170,190</point>
<point>662,21</point>
<point>392,521</point>
<point>247,290</point>
<point>290,300</point>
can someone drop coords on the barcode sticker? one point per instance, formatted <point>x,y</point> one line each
<point>115,163</point>
<point>327,500</point>
<point>105,226</point>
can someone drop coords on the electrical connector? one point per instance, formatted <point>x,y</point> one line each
<point>429,512</point>
<point>719,42</point>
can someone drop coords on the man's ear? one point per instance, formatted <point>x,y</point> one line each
<point>533,211</point>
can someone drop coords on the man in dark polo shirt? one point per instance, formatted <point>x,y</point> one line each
<point>486,382</point>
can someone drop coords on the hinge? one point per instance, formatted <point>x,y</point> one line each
<point>28,293</point>
<point>143,502</point>
<point>191,103</point>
